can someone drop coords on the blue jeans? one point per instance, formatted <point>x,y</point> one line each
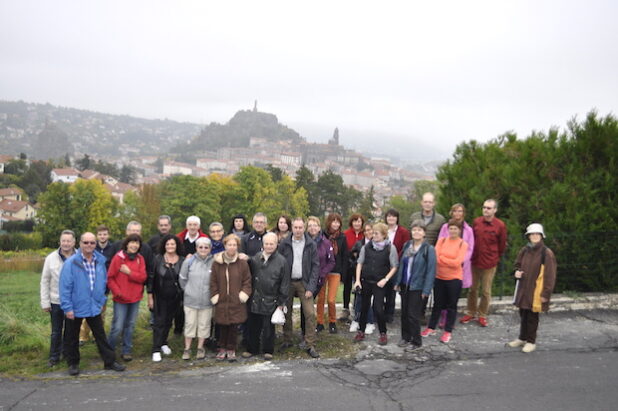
<point>57,324</point>
<point>125,316</point>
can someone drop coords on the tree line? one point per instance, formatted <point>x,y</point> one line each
<point>567,180</point>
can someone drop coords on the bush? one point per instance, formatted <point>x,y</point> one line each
<point>20,241</point>
<point>17,226</point>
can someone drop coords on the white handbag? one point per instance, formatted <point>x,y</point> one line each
<point>278,317</point>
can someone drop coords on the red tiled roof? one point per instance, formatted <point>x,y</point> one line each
<point>12,206</point>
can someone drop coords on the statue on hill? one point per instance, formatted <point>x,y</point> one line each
<point>335,140</point>
<point>255,107</point>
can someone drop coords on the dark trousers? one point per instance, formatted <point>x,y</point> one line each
<point>424,307</point>
<point>260,326</point>
<point>164,311</point>
<point>71,340</point>
<point>529,325</point>
<point>389,308</point>
<point>57,324</point>
<point>179,316</point>
<point>411,305</point>
<point>446,294</point>
<point>372,290</point>
<point>229,335</point>
<point>347,287</point>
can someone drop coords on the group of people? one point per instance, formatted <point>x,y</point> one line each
<point>241,278</point>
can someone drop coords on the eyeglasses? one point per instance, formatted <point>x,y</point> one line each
<point>89,242</point>
<point>487,208</point>
<point>203,246</point>
<point>216,231</point>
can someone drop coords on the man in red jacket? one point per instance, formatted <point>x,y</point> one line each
<point>489,245</point>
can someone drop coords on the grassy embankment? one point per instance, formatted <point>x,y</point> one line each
<point>25,329</point>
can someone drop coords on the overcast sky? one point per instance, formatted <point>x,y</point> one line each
<point>389,74</point>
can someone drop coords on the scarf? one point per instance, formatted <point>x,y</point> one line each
<point>229,260</point>
<point>332,236</point>
<point>132,256</point>
<point>379,246</point>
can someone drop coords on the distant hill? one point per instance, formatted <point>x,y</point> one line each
<point>47,131</point>
<point>238,131</point>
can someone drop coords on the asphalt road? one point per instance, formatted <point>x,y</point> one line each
<point>574,368</point>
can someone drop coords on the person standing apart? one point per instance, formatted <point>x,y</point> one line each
<point>50,293</point>
<point>489,244</point>
<point>450,254</point>
<point>83,281</point>
<point>535,270</point>
<point>125,278</point>
<point>230,287</point>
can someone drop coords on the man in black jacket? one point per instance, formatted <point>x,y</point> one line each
<point>270,275</point>
<point>301,255</point>
<point>164,225</point>
<point>252,242</point>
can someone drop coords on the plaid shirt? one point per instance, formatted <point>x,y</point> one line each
<point>90,269</point>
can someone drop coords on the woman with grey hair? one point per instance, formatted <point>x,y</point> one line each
<point>194,279</point>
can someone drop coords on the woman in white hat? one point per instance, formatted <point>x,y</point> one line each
<point>535,269</point>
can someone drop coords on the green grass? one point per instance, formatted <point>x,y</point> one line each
<point>25,330</point>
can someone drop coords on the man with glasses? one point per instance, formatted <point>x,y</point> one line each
<point>83,281</point>
<point>489,244</point>
<point>252,242</point>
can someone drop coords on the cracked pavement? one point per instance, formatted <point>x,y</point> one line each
<point>573,368</point>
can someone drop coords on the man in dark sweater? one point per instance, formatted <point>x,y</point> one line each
<point>164,225</point>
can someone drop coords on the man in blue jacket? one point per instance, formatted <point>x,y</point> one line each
<point>83,281</point>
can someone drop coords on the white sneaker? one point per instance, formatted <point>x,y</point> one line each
<point>354,327</point>
<point>516,343</point>
<point>156,356</point>
<point>369,329</point>
<point>528,347</point>
<point>166,350</point>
